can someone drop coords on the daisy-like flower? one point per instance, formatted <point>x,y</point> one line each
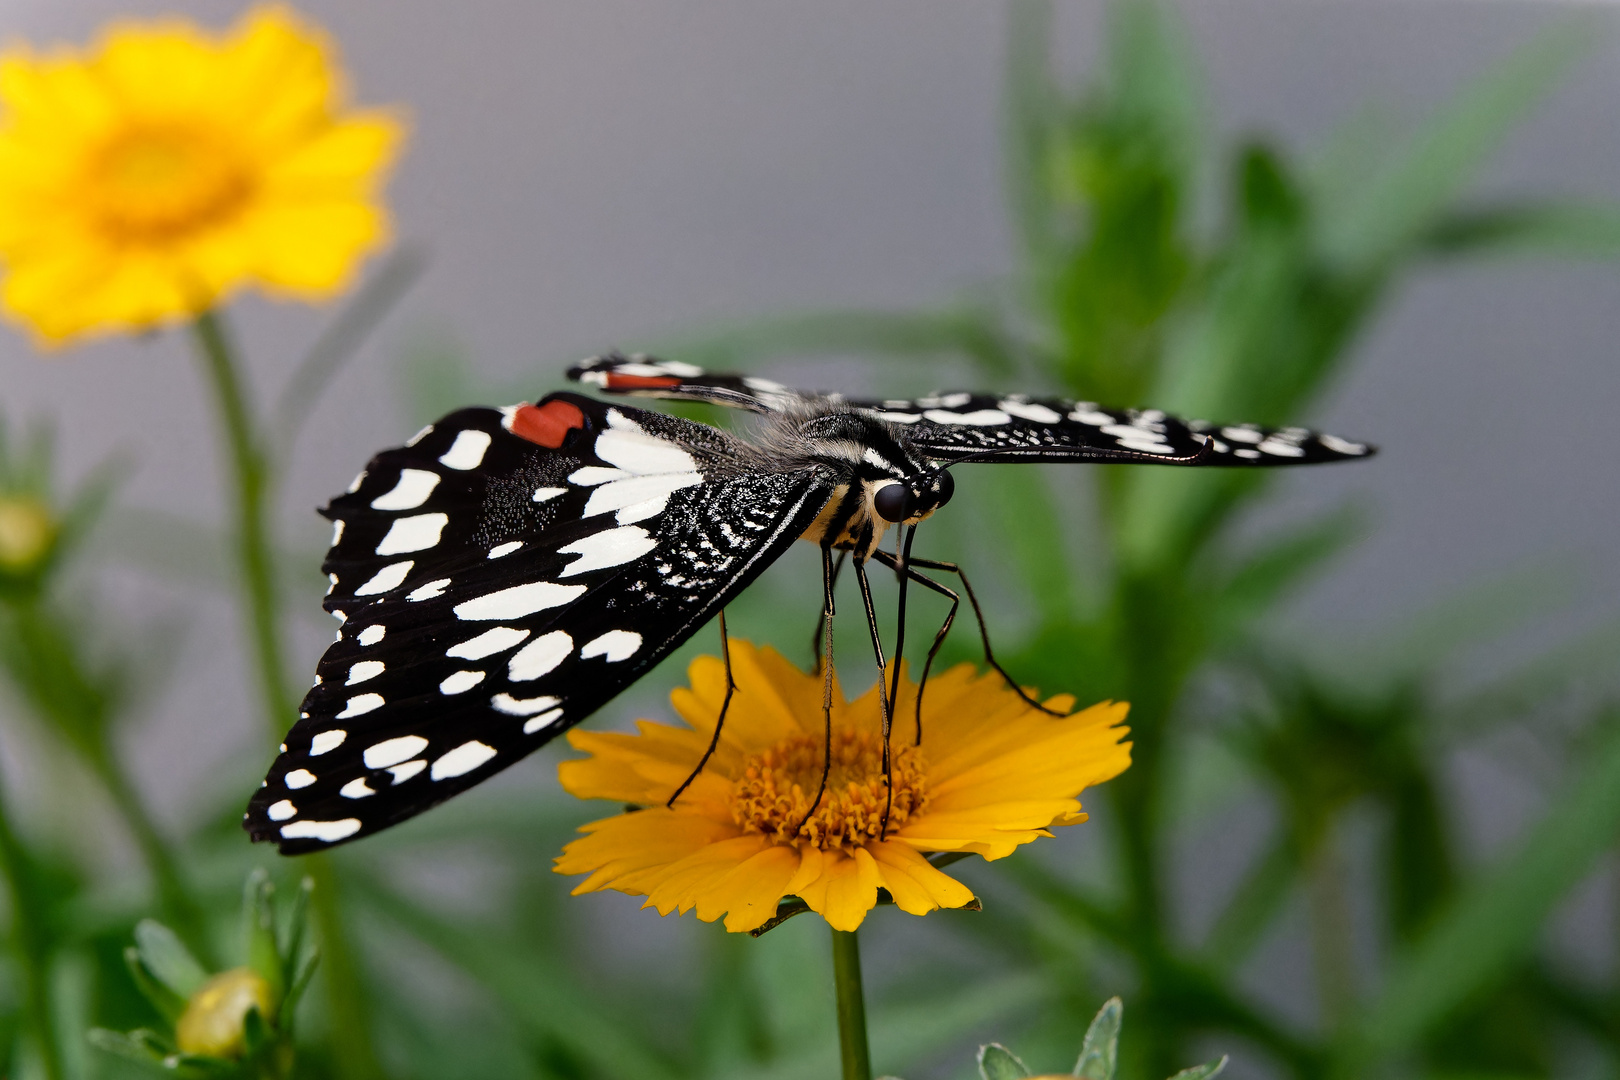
<point>991,773</point>
<point>149,177</point>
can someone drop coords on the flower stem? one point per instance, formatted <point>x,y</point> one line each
<point>852,1049</point>
<point>251,488</point>
<point>30,937</point>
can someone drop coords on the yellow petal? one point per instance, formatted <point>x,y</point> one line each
<point>917,886</point>
<point>846,889</point>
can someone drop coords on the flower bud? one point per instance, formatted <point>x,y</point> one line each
<point>213,1021</point>
<point>26,532</point>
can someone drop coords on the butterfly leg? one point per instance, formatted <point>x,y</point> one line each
<point>720,722</point>
<point>939,638</point>
<point>829,577</point>
<point>816,635</point>
<point>984,633</point>
<point>882,688</point>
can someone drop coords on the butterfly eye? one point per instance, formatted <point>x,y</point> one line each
<point>945,487</point>
<point>893,502</point>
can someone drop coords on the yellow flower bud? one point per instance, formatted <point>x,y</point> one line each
<point>212,1022</point>
<point>26,531</point>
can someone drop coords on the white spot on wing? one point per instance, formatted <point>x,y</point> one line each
<point>329,831</point>
<point>365,669</point>
<point>1341,446</point>
<point>615,645</point>
<point>539,656</point>
<point>412,490</point>
<point>633,491</point>
<point>415,533</point>
<point>428,591</point>
<point>463,759</point>
<point>372,634</point>
<point>591,475</point>
<point>402,773</point>
<point>281,811</point>
<point>1026,410</point>
<point>393,751</point>
<point>488,643</point>
<point>610,547</point>
<point>354,485</point>
<point>327,740</point>
<point>545,493</point>
<point>642,454</point>
<point>1242,434</point>
<point>467,452</point>
<point>512,706</point>
<point>356,789</point>
<point>299,778</point>
<point>360,705</point>
<point>518,601</point>
<point>337,531</point>
<point>389,577</point>
<point>538,722</point>
<point>461,682</point>
<point>504,549</point>
<point>979,418</point>
<point>419,436</point>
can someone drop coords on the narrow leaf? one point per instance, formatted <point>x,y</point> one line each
<point>1099,1055</point>
<point>167,959</point>
<point>1202,1072</point>
<point>996,1062</point>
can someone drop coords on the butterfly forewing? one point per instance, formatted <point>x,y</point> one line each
<point>496,589</point>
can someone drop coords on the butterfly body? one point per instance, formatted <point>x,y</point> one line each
<point>508,571</point>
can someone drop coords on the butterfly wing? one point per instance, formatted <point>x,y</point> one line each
<point>650,377</point>
<point>500,578</point>
<point>988,427</point>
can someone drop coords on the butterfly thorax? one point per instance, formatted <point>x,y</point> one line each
<point>866,455</point>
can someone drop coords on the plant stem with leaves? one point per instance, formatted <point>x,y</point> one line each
<point>31,939</point>
<point>252,485</point>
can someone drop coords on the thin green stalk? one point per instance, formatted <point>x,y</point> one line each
<point>1328,891</point>
<point>180,907</point>
<point>852,1049</point>
<point>252,483</point>
<point>251,489</point>
<point>29,934</point>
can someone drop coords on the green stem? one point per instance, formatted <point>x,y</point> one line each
<point>180,908</point>
<point>251,488</point>
<point>29,935</point>
<point>852,1051</point>
<point>251,473</point>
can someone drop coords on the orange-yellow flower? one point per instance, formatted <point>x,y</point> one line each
<point>990,774</point>
<point>144,180</point>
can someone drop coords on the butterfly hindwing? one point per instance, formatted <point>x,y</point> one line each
<point>563,549</point>
<point>649,377</point>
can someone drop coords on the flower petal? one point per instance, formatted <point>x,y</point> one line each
<point>846,889</point>
<point>917,886</point>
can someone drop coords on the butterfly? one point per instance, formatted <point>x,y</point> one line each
<point>508,571</point>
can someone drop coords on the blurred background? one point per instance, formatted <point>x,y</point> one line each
<point>1397,215</point>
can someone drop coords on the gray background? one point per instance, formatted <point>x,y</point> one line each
<point>588,174</point>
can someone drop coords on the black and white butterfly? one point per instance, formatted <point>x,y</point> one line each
<point>507,571</point>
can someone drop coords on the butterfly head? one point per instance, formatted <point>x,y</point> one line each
<point>913,498</point>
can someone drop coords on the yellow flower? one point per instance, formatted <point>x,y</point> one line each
<point>990,774</point>
<point>147,179</point>
<point>213,1023</point>
<point>26,532</point>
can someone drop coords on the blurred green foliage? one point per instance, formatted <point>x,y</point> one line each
<point>1155,266</point>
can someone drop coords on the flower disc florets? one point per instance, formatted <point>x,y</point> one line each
<point>774,793</point>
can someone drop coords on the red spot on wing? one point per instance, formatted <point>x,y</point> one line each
<point>640,382</point>
<point>547,425</point>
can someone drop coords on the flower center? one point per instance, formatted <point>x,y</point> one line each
<point>153,183</point>
<point>774,793</point>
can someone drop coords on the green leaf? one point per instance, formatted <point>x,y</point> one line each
<point>1570,229</point>
<point>1396,208</point>
<point>141,1045</point>
<point>1099,1055</point>
<point>170,962</point>
<point>170,1004</point>
<point>1497,921</point>
<point>996,1062</point>
<point>1202,1072</point>
<point>259,926</point>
